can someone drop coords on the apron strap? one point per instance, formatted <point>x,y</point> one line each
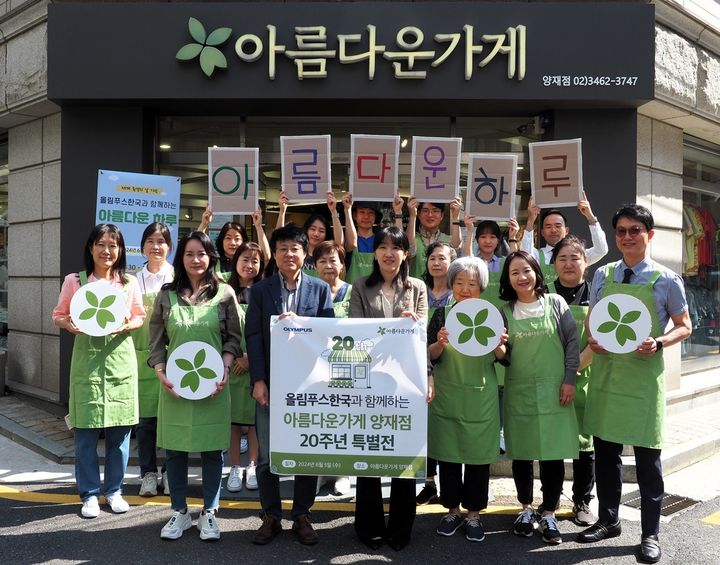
<point>654,278</point>
<point>551,287</point>
<point>83,278</point>
<point>172,295</point>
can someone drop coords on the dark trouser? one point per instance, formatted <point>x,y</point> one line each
<point>608,468</point>
<point>146,435</point>
<point>471,490</point>
<point>369,513</point>
<point>552,474</point>
<point>269,483</point>
<point>431,468</point>
<point>583,477</point>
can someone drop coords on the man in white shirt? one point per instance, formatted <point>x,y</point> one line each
<point>554,227</point>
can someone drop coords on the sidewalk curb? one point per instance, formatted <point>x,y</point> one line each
<point>36,442</point>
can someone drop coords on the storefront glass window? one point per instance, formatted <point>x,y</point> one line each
<point>3,240</point>
<point>701,253</point>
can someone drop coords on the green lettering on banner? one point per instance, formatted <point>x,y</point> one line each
<point>353,465</point>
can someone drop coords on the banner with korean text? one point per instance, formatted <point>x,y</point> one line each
<point>374,163</point>
<point>491,180</point>
<point>305,167</point>
<point>347,397</point>
<point>233,174</point>
<point>556,173</point>
<point>132,201</point>
<point>435,168</point>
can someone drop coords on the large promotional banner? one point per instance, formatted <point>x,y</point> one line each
<point>132,201</point>
<point>435,168</point>
<point>347,397</point>
<point>491,180</point>
<point>305,167</point>
<point>374,163</point>
<point>233,174</point>
<point>556,173</point>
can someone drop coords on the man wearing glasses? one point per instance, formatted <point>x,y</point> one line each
<point>626,394</point>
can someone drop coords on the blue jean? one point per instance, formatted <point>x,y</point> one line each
<point>146,435</point>
<point>176,463</point>
<point>87,463</point>
<point>269,483</point>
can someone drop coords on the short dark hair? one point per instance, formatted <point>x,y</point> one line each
<point>553,211</point>
<point>634,212</point>
<point>326,247</point>
<point>289,232</point>
<point>181,281</point>
<point>318,218</point>
<point>568,241</point>
<point>234,280</point>
<point>227,226</point>
<point>426,276</point>
<point>488,226</point>
<point>159,227</point>
<point>397,237</point>
<point>507,292</point>
<point>120,265</point>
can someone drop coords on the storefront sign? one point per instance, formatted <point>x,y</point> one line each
<point>233,174</point>
<point>556,173</point>
<point>435,168</point>
<point>491,181</point>
<point>348,397</point>
<point>306,167</point>
<point>132,201</point>
<point>374,167</point>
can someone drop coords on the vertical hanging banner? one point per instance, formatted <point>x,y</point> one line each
<point>374,161</point>
<point>556,173</point>
<point>305,167</point>
<point>348,397</point>
<point>491,181</point>
<point>435,169</point>
<point>132,201</point>
<point>233,174</point>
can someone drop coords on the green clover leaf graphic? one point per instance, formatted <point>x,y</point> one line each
<point>381,330</point>
<point>623,332</point>
<point>194,371</point>
<point>206,46</point>
<point>475,328</point>
<point>103,317</point>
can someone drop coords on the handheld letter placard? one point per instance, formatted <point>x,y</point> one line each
<point>474,327</point>
<point>98,308</point>
<point>233,174</point>
<point>374,167</point>
<point>620,323</point>
<point>194,368</point>
<point>491,184</point>
<point>305,167</point>
<point>556,173</point>
<point>435,169</point>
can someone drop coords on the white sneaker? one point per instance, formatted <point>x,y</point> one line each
<point>208,526</point>
<point>176,525</point>
<point>243,445</point>
<point>117,503</point>
<point>149,485</point>
<point>251,477</point>
<point>342,486</point>
<point>234,480</point>
<point>90,508</point>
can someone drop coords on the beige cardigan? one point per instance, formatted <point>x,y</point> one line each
<point>366,302</point>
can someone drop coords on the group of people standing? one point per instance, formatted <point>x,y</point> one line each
<point>537,383</point>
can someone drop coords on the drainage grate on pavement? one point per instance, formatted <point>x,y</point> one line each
<point>671,502</point>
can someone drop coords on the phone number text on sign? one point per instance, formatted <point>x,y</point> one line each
<point>584,80</point>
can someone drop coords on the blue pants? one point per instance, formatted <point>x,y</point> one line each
<point>87,464</point>
<point>177,473</point>
<point>146,435</point>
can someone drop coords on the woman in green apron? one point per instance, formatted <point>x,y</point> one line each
<point>463,419</point>
<point>360,223</point>
<point>155,243</point>
<point>248,266</point>
<point>103,374</point>
<point>540,421</point>
<point>195,306</point>
<point>570,262</point>
<point>429,216</point>
<point>439,257</point>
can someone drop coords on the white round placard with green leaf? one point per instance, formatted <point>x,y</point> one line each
<point>98,308</point>
<point>620,323</point>
<point>474,327</point>
<point>194,368</point>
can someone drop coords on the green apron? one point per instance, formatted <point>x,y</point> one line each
<point>103,380</point>
<point>626,396</point>
<point>361,265</point>
<point>492,295</point>
<point>537,427</point>
<point>223,276</point>
<point>148,383</point>
<point>417,263</point>
<point>242,404</point>
<point>464,417</point>
<point>548,269</point>
<point>342,308</point>
<point>579,314</point>
<point>194,425</point>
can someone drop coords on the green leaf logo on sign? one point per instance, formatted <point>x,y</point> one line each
<point>99,309</point>
<point>475,328</point>
<point>619,324</point>
<point>194,371</point>
<point>206,46</point>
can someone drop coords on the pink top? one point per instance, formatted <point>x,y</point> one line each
<point>71,284</point>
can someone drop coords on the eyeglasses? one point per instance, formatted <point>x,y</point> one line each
<point>428,211</point>
<point>633,232</point>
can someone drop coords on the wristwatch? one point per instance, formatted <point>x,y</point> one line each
<point>658,345</point>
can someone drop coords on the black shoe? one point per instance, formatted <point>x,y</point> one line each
<point>599,531</point>
<point>428,495</point>
<point>650,550</point>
